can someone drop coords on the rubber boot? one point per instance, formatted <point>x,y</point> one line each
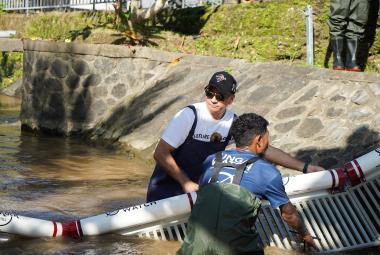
<point>337,45</point>
<point>352,46</point>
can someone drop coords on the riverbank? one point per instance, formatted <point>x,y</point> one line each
<point>118,95</point>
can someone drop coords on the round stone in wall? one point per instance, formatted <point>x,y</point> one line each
<point>359,114</point>
<point>125,65</point>
<point>98,108</point>
<point>262,93</point>
<point>111,101</point>
<point>291,112</point>
<point>334,112</point>
<point>92,80</point>
<point>337,98</point>
<point>119,90</point>
<point>360,97</point>
<point>105,65</point>
<point>112,78</point>
<point>42,64</point>
<point>309,128</point>
<point>99,92</point>
<point>59,68</point>
<point>72,81</point>
<point>308,95</point>
<point>80,67</point>
<point>286,127</point>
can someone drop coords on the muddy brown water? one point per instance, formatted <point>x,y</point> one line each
<point>66,179</point>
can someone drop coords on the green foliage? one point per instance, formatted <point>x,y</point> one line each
<point>60,26</point>
<point>10,68</point>
<point>261,31</point>
<point>187,21</point>
<point>272,31</point>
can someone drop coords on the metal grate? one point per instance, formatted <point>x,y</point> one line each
<point>339,222</point>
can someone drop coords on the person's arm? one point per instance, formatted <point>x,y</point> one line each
<point>282,158</point>
<point>291,216</point>
<point>164,158</point>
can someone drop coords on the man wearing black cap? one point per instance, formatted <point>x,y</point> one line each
<point>197,131</point>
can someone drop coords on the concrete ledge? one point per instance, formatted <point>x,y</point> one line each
<point>122,51</point>
<point>11,45</point>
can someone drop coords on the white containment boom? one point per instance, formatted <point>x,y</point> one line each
<point>27,226</point>
<point>354,171</point>
<point>134,215</point>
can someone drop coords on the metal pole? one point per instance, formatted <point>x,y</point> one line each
<point>27,7</point>
<point>309,35</point>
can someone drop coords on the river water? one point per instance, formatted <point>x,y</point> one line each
<point>66,179</point>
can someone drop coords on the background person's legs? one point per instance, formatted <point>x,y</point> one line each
<point>339,12</point>
<point>355,32</point>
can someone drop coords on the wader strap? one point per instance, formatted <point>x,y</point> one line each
<point>240,170</point>
<point>192,130</point>
<point>218,165</point>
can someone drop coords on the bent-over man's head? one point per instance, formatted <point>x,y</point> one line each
<point>250,133</point>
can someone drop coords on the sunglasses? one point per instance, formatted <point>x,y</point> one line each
<point>210,94</point>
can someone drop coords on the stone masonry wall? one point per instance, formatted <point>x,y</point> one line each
<point>128,95</point>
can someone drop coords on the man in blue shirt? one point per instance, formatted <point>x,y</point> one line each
<point>232,186</point>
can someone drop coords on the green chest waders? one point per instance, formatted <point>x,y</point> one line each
<point>223,217</point>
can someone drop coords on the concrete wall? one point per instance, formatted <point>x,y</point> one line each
<point>127,95</point>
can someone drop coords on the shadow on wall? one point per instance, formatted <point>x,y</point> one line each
<point>50,99</point>
<point>360,142</point>
<point>130,117</point>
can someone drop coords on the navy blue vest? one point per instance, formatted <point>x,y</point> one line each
<point>189,156</point>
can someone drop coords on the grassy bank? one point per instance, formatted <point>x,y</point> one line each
<point>10,68</point>
<point>268,31</point>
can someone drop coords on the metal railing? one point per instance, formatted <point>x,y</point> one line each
<point>25,5</point>
<point>12,5</point>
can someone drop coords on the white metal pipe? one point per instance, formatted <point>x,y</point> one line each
<point>173,207</point>
<point>369,162</point>
<point>137,215</point>
<point>309,35</point>
<point>27,226</point>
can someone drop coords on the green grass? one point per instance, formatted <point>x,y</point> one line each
<point>262,31</point>
<point>10,68</point>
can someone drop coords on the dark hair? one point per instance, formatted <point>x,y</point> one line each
<point>246,127</point>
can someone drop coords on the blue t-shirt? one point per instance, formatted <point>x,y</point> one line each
<point>261,178</point>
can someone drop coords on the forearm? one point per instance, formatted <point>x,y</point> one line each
<point>282,158</point>
<point>295,222</point>
<point>291,216</point>
<point>169,165</point>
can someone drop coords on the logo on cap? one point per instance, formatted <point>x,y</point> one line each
<point>233,87</point>
<point>220,77</point>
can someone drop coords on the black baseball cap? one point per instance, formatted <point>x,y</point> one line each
<point>224,83</point>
